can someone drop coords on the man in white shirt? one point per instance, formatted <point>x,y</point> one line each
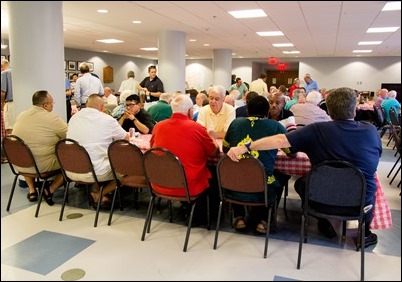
<point>95,130</point>
<point>129,84</point>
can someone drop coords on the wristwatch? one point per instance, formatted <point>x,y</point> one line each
<point>248,144</point>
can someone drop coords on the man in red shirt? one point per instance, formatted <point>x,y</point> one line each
<point>189,141</point>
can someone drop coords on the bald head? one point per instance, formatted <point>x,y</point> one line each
<point>95,101</point>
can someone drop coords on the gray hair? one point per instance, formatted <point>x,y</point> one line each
<point>314,97</point>
<point>341,103</point>
<point>218,89</point>
<point>181,104</point>
<point>392,94</point>
<point>166,97</point>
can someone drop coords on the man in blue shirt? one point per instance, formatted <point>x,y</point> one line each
<point>310,84</point>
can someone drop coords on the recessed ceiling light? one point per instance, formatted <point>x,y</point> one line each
<point>282,44</point>
<point>291,52</point>
<point>392,6</point>
<point>362,51</point>
<point>246,14</point>
<point>206,44</point>
<point>382,29</point>
<point>369,42</point>
<point>102,11</point>
<point>149,49</point>
<point>136,22</point>
<point>193,40</point>
<point>105,51</point>
<point>110,41</point>
<point>270,33</point>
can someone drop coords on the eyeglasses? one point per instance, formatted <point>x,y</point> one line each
<point>131,104</point>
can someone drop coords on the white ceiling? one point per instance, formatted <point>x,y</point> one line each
<point>317,29</point>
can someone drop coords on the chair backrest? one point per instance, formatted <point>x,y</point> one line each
<point>336,183</point>
<point>394,117</point>
<point>379,119</point>
<point>164,168</point>
<point>246,176</point>
<point>73,157</point>
<point>18,153</point>
<point>125,158</point>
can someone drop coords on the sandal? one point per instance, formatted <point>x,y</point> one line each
<point>240,223</point>
<point>32,197</point>
<point>262,227</point>
<point>48,195</point>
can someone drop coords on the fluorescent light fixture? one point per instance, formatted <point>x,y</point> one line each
<point>291,52</point>
<point>102,11</point>
<point>110,41</point>
<point>270,33</point>
<point>4,46</point>
<point>149,49</point>
<point>382,29</point>
<point>193,40</point>
<point>247,14</point>
<point>392,6</point>
<point>136,22</point>
<point>282,45</point>
<point>362,51</point>
<point>370,42</point>
<point>206,44</point>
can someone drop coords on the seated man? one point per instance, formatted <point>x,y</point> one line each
<point>162,109</point>
<point>41,129</point>
<point>136,117</point>
<point>278,113</point>
<point>217,117</point>
<point>243,130</point>
<point>95,130</point>
<point>332,140</point>
<point>310,112</point>
<point>189,141</point>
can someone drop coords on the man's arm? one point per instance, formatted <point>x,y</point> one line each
<point>267,143</point>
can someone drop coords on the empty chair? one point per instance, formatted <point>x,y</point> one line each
<point>163,168</point>
<point>19,154</point>
<point>335,189</point>
<point>74,158</point>
<point>246,176</point>
<point>126,163</point>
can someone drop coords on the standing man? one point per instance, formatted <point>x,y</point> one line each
<point>7,96</point>
<point>260,85</point>
<point>151,85</point>
<point>86,85</point>
<point>129,84</point>
<point>310,84</point>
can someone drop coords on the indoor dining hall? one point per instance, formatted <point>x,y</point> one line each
<point>156,121</point>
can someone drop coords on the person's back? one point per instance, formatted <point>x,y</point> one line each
<point>95,130</point>
<point>310,112</point>
<point>162,109</point>
<point>259,85</point>
<point>391,103</point>
<point>41,129</point>
<point>188,140</point>
<point>130,83</point>
<point>86,85</point>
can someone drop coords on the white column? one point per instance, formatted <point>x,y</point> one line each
<point>37,52</point>
<point>222,67</point>
<point>171,60</point>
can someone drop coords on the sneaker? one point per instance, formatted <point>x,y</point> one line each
<point>370,240</point>
<point>325,227</point>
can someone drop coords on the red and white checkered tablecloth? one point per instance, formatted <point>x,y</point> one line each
<point>300,165</point>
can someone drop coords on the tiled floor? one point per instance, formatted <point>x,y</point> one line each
<point>46,249</point>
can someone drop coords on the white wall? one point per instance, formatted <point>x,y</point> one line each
<point>328,72</point>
